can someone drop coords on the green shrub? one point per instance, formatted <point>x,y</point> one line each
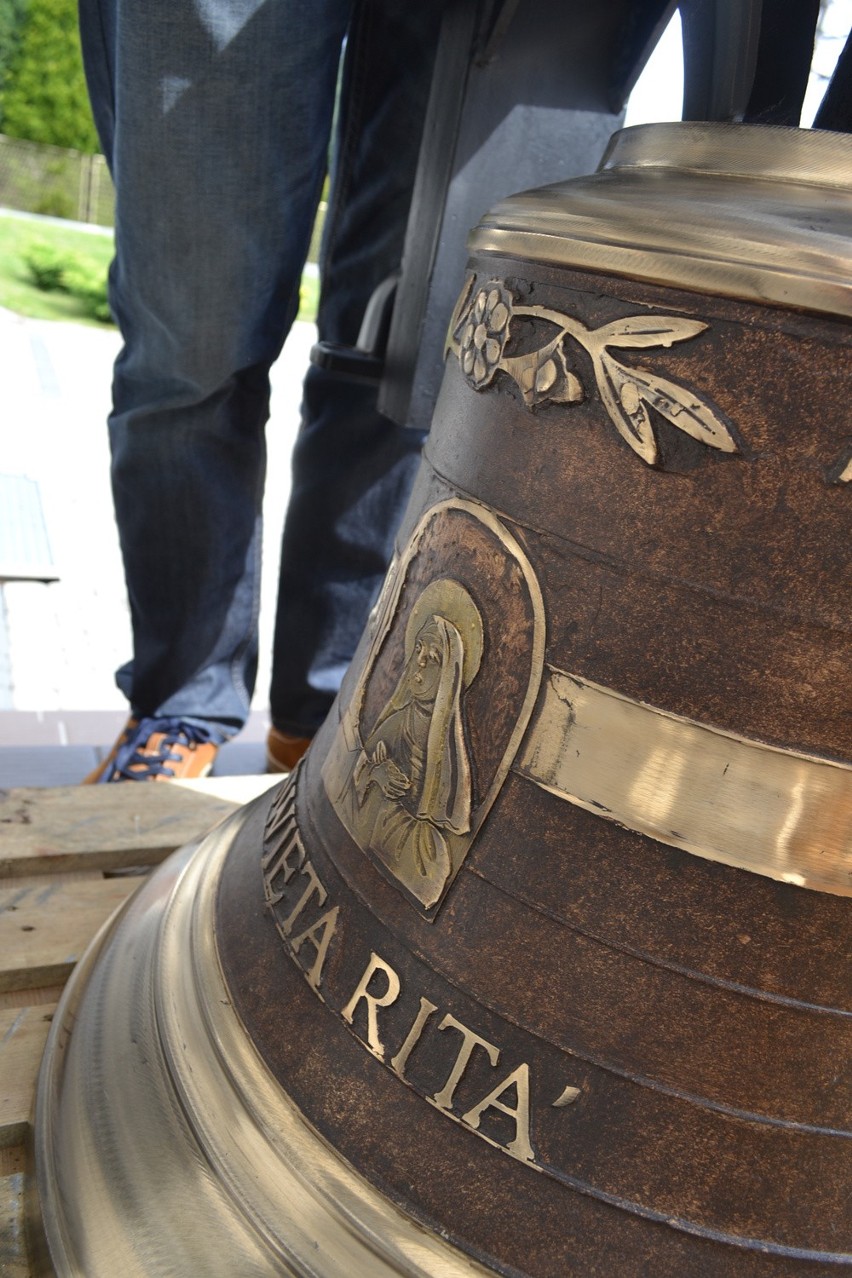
<point>46,265</point>
<point>88,283</point>
<point>63,270</point>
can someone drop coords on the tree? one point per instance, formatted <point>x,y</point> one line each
<point>11,21</point>
<point>44,97</point>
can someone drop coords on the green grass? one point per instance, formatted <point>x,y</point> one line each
<point>18,292</point>
<point>308,298</point>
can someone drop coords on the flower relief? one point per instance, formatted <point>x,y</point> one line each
<point>480,332</point>
<point>485,333</point>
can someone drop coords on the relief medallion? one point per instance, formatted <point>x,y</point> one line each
<point>445,694</point>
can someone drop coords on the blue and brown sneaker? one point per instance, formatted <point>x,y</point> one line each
<point>157,750</point>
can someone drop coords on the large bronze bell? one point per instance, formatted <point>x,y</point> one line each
<point>540,963</point>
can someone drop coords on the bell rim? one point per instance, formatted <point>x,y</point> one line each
<point>287,1202</point>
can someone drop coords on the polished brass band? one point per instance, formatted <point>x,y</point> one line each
<point>748,211</point>
<point>784,815</point>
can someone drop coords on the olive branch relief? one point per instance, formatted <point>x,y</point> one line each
<point>480,331</point>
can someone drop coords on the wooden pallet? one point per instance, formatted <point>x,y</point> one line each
<point>68,857</point>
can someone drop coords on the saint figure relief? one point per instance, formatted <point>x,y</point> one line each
<point>410,789</point>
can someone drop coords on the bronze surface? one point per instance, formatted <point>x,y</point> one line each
<point>540,961</point>
<point>653,1160</point>
<point>711,585</point>
<point>594,1051</point>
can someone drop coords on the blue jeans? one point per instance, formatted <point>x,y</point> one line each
<point>216,118</point>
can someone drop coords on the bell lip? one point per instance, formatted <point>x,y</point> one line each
<point>758,213</point>
<point>285,1201</point>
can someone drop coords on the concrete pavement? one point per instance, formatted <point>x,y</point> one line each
<point>65,639</point>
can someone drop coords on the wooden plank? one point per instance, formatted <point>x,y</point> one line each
<point>12,1161</point>
<point>44,930</point>
<point>32,996</point>
<point>23,1033</point>
<point>14,1262</point>
<point>76,876</point>
<point>110,827</point>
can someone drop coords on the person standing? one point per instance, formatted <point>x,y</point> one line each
<point>216,118</point>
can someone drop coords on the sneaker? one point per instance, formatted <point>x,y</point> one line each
<point>157,750</point>
<point>283,752</point>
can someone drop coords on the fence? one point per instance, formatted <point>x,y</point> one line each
<point>59,183</point>
<point>56,182</point>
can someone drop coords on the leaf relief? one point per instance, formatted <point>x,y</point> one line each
<point>481,332</point>
<point>639,331</point>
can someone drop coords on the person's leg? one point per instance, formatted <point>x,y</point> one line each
<point>215,117</point>
<point>352,468</point>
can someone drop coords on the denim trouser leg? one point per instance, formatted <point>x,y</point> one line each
<point>215,117</point>
<point>352,468</point>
